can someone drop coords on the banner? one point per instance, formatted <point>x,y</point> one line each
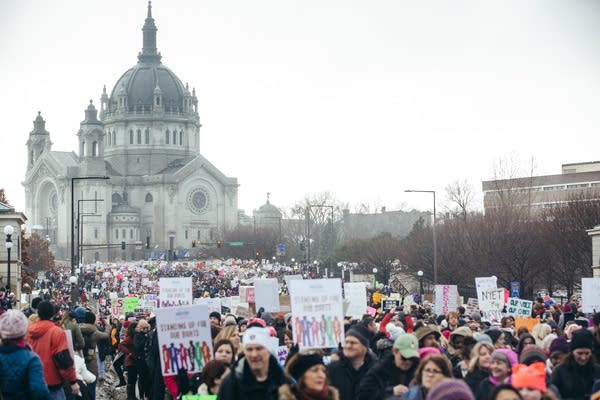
<point>590,295</point>
<point>491,300</point>
<point>266,294</point>
<point>175,292</point>
<point>184,338</point>
<point>445,298</point>
<point>213,304</point>
<point>317,317</point>
<point>356,294</point>
<point>519,308</point>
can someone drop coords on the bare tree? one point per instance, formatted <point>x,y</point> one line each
<point>460,194</point>
<point>3,198</point>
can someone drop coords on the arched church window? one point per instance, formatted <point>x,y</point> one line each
<point>158,101</point>
<point>116,199</point>
<point>139,136</point>
<point>131,136</point>
<point>167,136</point>
<point>174,137</point>
<point>94,149</point>
<point>116,233</point>
<point>83,152</point>
<point>149,198</point>
<point>31,157</point>
<point>109,138</point>
<point>114,138</point>
<point>147,138</point>
<point>181,138</point>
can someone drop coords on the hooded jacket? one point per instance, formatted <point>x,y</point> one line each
<point>49,342</point>
<point>91,361</point>
<point>23,376</point>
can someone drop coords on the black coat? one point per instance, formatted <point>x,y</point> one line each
<point>241,384</point>
<point>574,382</point>
<point>345,378</point>
<point>380,380</point>
<point>474,378</point>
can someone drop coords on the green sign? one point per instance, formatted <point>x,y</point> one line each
<point>130,304</point>
<point>236,244</point>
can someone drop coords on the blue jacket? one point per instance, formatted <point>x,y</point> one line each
<point>21,374</point>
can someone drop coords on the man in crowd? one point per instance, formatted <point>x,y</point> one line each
<point>354,363</point>
<point>50,343</point>
<point>256,376</point>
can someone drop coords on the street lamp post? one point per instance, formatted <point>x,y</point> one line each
<point>8,231</point>
<point>435,266</point>
<point>374,278</point>
<point>420,275</point>
<point>78,178</point>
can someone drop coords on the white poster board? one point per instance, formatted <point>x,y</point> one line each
<point>175,292</point>
<point>288,278</point>
<point>491,300</point>
<point>519,308</point>
<point>184,338</point>
<point>317,317</point>
<point>446,297</point>
<point>213,304</point>
<point>356,295</point>
<point>590,295</point>
<point>266,294</point>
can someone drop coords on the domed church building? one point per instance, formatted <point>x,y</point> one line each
<point>159,193</point>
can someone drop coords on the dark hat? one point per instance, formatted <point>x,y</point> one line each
<point>35,302</point>
<point>559,344</point>
<point>304,363</point>
<point>596,319</point>
<point>532,353</point>
<point>450,389</point>
<point>215,314</point>
<point>582,339</point>
<point>46,310</point>
<point>425,331</point>
<point>359,333</point>
<point>494,334</point>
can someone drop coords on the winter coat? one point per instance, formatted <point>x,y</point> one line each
<point>474,379</point>
<point>288,392</point>
<point>91,359</point>
<point>49,342</point>
<point>415,392</point>
<point>380,380</point>
<point>69,324</point>
<point>345,378</point>
<point>21,374</point>
<point>82,372</point>
<point>241,384</point>
<point>573,381</point>
<point>126,347</point>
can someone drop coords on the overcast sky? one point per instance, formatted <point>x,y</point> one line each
<point>360,98</point>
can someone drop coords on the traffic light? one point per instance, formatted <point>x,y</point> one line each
<point>193,243</point>
<point>122,245</point>
<point>219,243</point>
<point>302,246</point>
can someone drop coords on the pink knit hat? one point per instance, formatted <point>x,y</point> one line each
<point>13,324</point>
<point>427,351</point>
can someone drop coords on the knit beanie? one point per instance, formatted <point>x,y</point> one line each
<point>582,339</point>
<point>529,376</point>
<point>532,353</point>
<point>358,332</point>
<point>559,344</point>
<point>13,324</point>
<point>450,389</point>
<point>505,355</point>
<point>304,363</point>
<point>428,351</point>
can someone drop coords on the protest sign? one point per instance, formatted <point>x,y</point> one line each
<point>243,310</point>
<point>266,294</point>
<point>491,300</point>
<point>288,278</point>
<point>317,315</point>
<point>590,295</point>
<point>230,302</point>
<point>184,338</point>
<point>390,304</point>
<point>529,323</point>
<point>356,294</point>
<point>445,298</point>
<point>213,304</point>
<point>175,292</point>
<point>519,307</point>
<point>485,283</point>
<point>282,353</point>
<point>284,304</point>
<point>247,294</point>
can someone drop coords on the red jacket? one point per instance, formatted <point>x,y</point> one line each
<point>126,347</point>
<point>48,340</point>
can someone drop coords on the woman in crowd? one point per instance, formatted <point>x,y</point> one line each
<point>479,365</point>
<point>500,370</point>
<point>432,370</point>
<point>21,375</point>
<point>212,375</point>
<point>539,332</point>
<point>140,340</point>
<point>498,338</point>
<point>225,352</point>
<point>504,392</point>
<point>232,334</point>
<point>127,347</point>
<point>288,339</point>
<point>310,376</point>
<point>575,376</point>
<point>530,380</point>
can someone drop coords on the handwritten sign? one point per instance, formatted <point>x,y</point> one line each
<point>491,300</point>
<point>590,294</point>
<point>519,307</point>
<point>445,298</point>
<point>266,294</point>
<point>175,292</point>
<point>356,294</point>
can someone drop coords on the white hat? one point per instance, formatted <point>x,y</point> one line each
<point>13,324</point>
<point>260,336</point>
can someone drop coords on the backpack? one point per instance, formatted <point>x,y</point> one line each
<point>88,347</point>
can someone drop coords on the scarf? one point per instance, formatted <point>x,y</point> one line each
<point>305,393</point>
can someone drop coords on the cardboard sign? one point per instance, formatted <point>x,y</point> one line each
<point>317,316</point>
<point>184,338</point>
<point>445,298</point>
<point>356,294</point>
<point>491,300</point>
<point>519,307</point>
<point>390,304</point>
<point>266,294</point>
<point>175,292</point>
<point>527,322</point>
<point>590,294</point>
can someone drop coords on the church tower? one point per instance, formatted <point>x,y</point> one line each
<point>91,144</point>
<point>39,141</point>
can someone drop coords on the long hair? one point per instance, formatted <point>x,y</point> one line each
<point>474,361</point>
<point>439,360</point>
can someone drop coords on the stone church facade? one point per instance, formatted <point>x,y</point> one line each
<point>161,192</point>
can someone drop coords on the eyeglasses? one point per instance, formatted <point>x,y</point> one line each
<point>432,371</point>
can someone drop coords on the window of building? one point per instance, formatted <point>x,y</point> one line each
<point>124,232</point>
<point>167,136</point>
<point>181,138</point>
<point>95,233</point>
<point>147,136</point>
<point>149,198</point>
<point>116,198</point>
<point>95,149</point>
<point>186,233</point>
<point>109,138</point>
<point>131,234</point>
<point>116,233</point>
<point>114,138</point>
<point>139,136</point>
<point>174,137</point>
<point>131,136</point>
